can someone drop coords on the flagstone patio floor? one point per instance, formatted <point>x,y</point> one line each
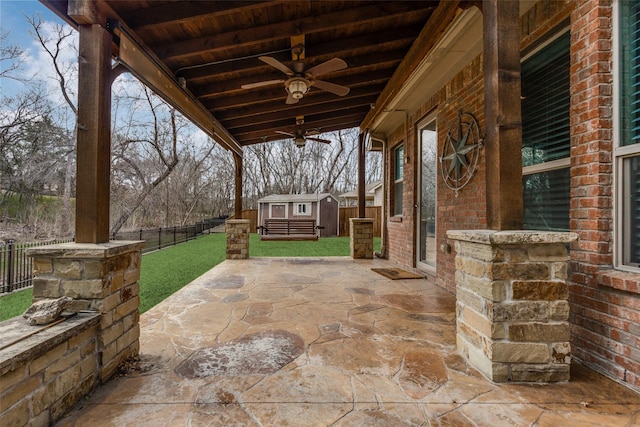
<point>325,342</point>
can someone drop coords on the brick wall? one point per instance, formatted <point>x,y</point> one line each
<point>467,210</point>
<point>605,304</point>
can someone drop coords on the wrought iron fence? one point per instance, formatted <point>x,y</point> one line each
<point>158,238</point>
<point>16,269</point>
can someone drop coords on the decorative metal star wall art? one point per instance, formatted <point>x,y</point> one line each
<point>461,152</point>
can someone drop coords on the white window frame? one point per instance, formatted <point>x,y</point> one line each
<point>620,152</point>
<point>398,180</point>
<point>286,211</point>
<point>306,208</point>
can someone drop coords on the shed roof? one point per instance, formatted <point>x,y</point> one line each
<point>300,198</point>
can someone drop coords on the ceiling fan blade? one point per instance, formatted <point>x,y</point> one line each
<point>276,64</point>
<point>329,66</point>
<point>260,84</point>
<point>291,99</point>
<point>324,141</point>
<point>331,87</point>
<point>285,133</point>
<point>312,132</point>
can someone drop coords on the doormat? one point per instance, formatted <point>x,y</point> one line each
<point>396,273</point>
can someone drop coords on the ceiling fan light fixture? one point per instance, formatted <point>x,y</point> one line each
<point>297,87</point>
<point>299,141</point>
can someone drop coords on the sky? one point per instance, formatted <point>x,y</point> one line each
<point>13,15</point>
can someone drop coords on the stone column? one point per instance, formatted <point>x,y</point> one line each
<point>511,303</point>
<point>361,231</point>
<point>237,238</point>
<point>100,277</point>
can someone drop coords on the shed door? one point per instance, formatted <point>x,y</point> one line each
<point>277,211</point>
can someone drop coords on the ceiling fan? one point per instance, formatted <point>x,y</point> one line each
<point>299,80</point>
<point>300,136</point>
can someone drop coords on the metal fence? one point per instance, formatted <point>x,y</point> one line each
<point>158,238</point>
<point>16,269</point>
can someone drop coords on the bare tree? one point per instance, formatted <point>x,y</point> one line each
<point>158,140</point>
<point>53,46</point>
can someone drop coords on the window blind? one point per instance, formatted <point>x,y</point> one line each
<point>545,104</point>
<point>630,130</point>
<point>630,72</point>
<point>546,135</point>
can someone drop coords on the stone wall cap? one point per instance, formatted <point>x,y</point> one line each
<point>364,220</point>
<point>45,339</point>
<point>87,250</point>
<point>237,221</point>
<point>512,237</point>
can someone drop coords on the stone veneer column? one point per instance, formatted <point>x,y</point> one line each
<point>511,303</point>
<point>237,238</point>
<point>100,277</point>
<point>361,243</point>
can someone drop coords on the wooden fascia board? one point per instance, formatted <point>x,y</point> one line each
<point>433,30</point>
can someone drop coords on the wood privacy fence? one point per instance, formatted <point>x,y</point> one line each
<point>347,213</point>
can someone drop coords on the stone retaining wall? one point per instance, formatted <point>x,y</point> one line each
<point>47,373</point>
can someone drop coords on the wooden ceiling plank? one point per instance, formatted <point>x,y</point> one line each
<point>352,75</point>
<point>155,16</point>
<point>336,109</point>
<point>233,39</point>
<point>325,124</point>
<point>265,119</point>
<point>267,111</point>
<point>350,51</point>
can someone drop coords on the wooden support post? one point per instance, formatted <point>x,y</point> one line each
<point>503,139</point>
<point>94,135</point>
<point>361,173</point>
<point>238,186</point>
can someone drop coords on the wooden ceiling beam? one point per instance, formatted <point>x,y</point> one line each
<point>259,120</point>
<point>147,70</point>
<point>255,104</point>
<point>393,40</point>
<point>329,123</point>
<point>271,112</point>
<point>380,11</point>
<point>358,65</point>
<point>336,110</point>
<point>158,15</point>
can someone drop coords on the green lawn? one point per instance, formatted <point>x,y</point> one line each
<point>166,271</point>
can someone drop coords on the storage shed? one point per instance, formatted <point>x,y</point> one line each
<point>322,207</point>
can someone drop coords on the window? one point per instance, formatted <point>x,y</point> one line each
<point>546,135</point>
<point>303,209</point>
<point>398,177</point>
<point>627,151</point>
